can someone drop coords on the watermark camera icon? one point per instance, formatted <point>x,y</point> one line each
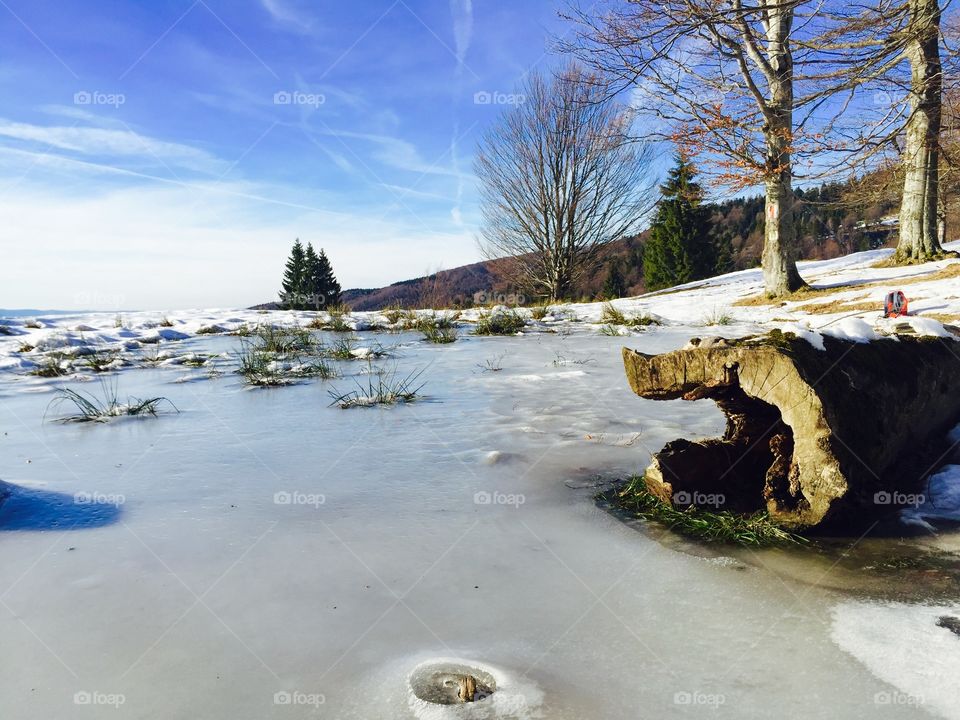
<point>286,97</point>
<point>899,499</point>
<point>714,500</point>
<point>886,697</point>
<point>299,498</point>
<point>87,697</point>
<point>713,700</point>
<point>98,498</point>
<point>498,498</point>
<point>485,97</point>
<point>87,97</point>
<point>299,698</point>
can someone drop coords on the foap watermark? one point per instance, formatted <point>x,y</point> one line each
<point>285,97</point>
<point>498,498</point>
<point>491,298</point>
<point>881,98</point>
<point>486,97</point>
<point>299,698</point>
<point>899,499</point>
<point>685,497</point>
<point>701,699</point>
<point>302,300</point>
<point>895,697</point>
<point>94,697</point>
<point>95,97</point>
<point>299,498</point>
<point>98,301</point>
<point>98,498</point>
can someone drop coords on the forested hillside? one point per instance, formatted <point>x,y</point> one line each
<point>831,220</point>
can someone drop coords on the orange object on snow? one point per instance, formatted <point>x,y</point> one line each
<point>895,305</point>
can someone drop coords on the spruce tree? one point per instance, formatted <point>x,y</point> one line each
<point>294,276</point>
<point>614,286</point>
<point>723,249</point>
<point>311,287</point>
<point>680,247</point>
<point>322,280</point>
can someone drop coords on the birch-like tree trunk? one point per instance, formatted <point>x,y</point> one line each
<point>780,275</point>
<point>919,237</point>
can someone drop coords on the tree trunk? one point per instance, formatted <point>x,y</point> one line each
<point>919,207</point>
<point>941,216</point>
<point>813,436</point>
<point>780,275</point>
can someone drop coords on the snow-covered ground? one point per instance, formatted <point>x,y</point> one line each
<point>262,554</point>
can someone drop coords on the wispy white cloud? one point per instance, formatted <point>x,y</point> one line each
<point>395,152</point>
<point>111,143</point>
<point>462,11</point>
<point>285,13</point>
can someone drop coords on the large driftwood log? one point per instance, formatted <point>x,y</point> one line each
<point>832,437</point>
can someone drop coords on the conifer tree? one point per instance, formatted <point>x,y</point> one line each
<point>615,285</point>
<point>680,248</point>
<point>322,282</point>
<point>294,277</point>
<point>313,296</point>
<point>723,248</point>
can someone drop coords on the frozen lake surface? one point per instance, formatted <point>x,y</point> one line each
<point>264,555</point>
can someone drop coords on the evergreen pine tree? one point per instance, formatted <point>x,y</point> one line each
<point>293,278</point>
<point>723,249</point>
<point>311,285</point>
<point>323,281</point>
<point>615,285</point>
<point>679,248</point>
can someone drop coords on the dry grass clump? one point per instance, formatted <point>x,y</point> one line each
<point>950,271</point>
<point>847,305</point>
<point>382,388</point>
<point>89,408</point>
<point>500,322</point>
<point>336,320</point>
<point>717,317</point>
<point>539,312</point>
<point>611,316</point>
<point>803,293</point>
<point>945,318</point>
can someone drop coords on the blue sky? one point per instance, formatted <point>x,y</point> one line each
<point>164,154</point>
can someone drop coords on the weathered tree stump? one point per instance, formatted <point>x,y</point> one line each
<point>833,437</point>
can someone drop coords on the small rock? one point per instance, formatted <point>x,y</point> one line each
<point>949,622</point>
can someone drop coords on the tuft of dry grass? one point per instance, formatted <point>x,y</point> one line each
<point>945,318</point>
<point>801,294</point>
<point>612,316</point>
<point>840,306</point>
<point>950,271</point>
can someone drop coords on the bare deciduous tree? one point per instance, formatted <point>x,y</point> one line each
<point>722,75</point>
<point>560,177</point>
<point>752,87</point>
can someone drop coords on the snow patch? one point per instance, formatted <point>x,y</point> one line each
<point>902,645</point>
<point>854,329</point>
